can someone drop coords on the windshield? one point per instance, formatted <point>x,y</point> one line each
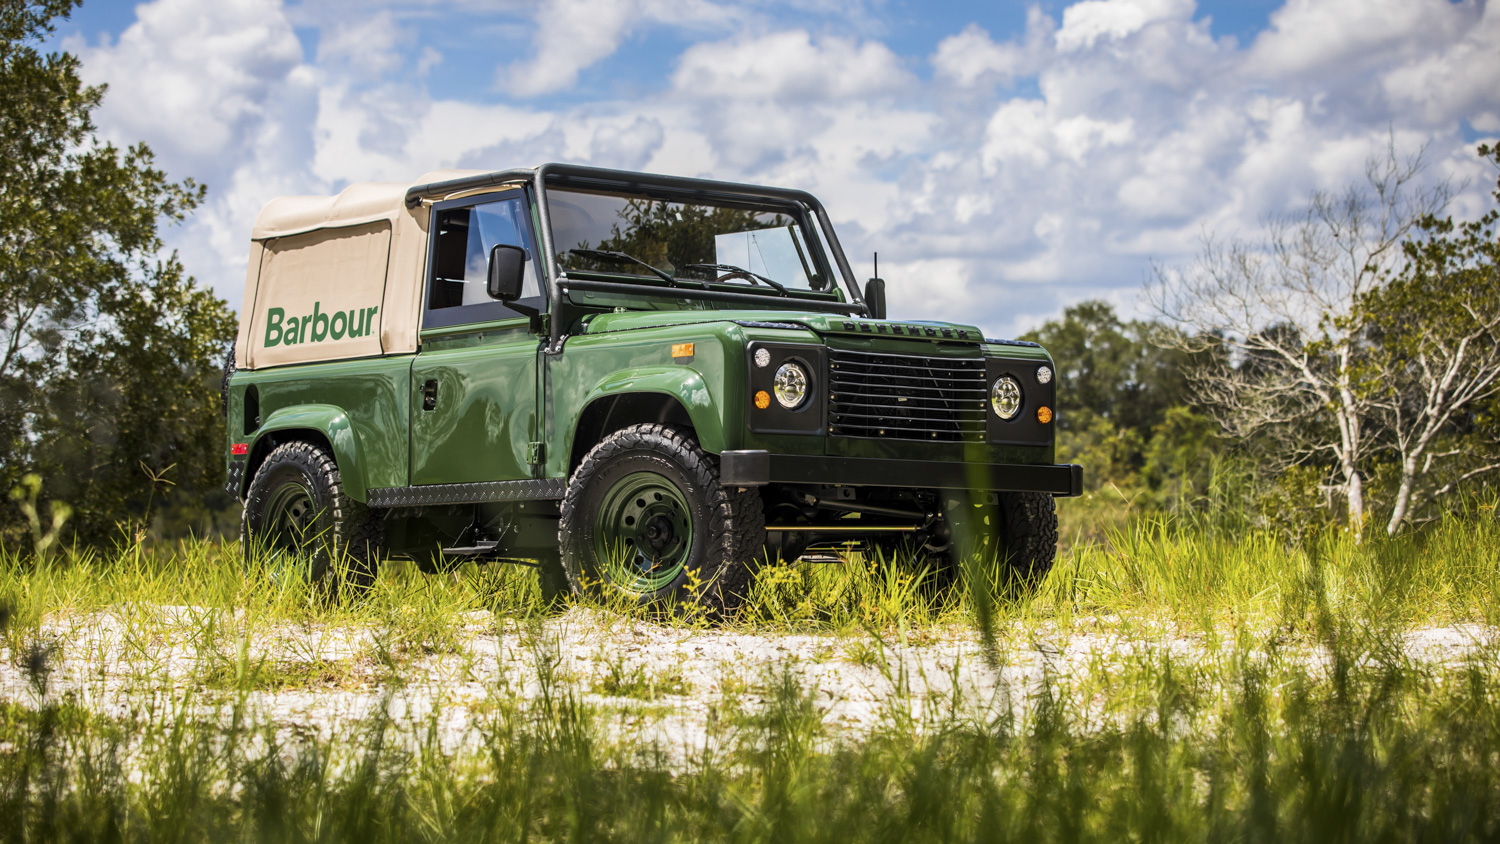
<point>688,240</point>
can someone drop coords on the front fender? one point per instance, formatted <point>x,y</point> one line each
<point>333,423</point>
<point>685,385</point>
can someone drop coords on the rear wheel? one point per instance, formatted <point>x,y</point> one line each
<point>645,517</point>
<point>299,518</point>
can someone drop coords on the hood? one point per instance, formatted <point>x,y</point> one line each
<point>823,324</point>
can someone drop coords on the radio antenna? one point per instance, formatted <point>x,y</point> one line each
<point>877,265</point>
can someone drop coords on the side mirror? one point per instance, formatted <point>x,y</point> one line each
<point>507,270</point>
<point>875,297</point>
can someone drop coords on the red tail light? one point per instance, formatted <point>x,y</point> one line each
<point>239,448</point>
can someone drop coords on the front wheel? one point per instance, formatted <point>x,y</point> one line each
<point>299,519</point>
<point>645,517</point>
<point>1017,529</point>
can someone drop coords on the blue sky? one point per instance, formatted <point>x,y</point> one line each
<point>1005,159</point>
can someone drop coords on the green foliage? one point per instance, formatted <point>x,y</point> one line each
<point>1434,351</point>
<point>43,536</point>
<point>1124,409</point>
<point>109,349</point>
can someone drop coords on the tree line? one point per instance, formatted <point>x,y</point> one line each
<point>1342,366</point>
<point>109,351</point>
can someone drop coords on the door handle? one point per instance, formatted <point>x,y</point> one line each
<point>429,395</point>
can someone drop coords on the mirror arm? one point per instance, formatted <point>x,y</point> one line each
<point>537,326</point>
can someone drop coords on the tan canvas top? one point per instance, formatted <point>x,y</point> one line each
<point>334,277</point>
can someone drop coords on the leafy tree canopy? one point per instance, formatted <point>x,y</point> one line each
<point>107,348</point>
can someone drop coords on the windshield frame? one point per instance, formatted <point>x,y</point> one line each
<point>814,261</point>
<point>598,178</point>
<point>804,209</point>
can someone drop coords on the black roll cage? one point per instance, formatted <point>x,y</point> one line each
<point>580,176</point>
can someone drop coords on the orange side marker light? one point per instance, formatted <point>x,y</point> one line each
<point>762,399</point>
<point>682,350</point>
<point>1044,415</point>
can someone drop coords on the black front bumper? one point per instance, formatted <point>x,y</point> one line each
<point>758,468</point>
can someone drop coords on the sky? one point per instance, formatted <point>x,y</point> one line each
<point>1004,159</point>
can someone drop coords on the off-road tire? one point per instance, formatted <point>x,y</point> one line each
<point>1030,525</point>
<point>728,524</point>
<point>345,535</point>
<point>1021,532</point>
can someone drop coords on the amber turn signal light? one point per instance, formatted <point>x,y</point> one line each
<point>1044,415</point>
<point>682,350</point>
<point>762,399</point>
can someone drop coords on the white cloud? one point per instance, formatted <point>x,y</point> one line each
<point>1133,131</point>
<point>628,146</point>
<point>572,35</point>
<point>971,55</point>
<point>1352,35</point>
<point>1019,132</point>
<point>1091,21</point>
<point>365,45</point>
<point>194,78</point>
<point>219,92</point>
<point>790,67</point>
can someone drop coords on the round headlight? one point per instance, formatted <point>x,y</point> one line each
<point>1043,374</point>
<point>791,385</point>
<point>1005,397</point>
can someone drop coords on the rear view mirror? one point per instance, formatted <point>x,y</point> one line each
<point>875,297</point>
<point>507,270</point>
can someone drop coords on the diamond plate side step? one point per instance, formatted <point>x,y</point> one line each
<point>530,489</point>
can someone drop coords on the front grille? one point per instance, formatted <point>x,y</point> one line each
<point>906,397</point>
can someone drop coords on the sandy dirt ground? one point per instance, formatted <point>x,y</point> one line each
<point>653,683</point>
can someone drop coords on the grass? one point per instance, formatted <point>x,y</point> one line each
<point>1253,690</point>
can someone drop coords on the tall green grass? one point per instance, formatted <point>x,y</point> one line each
<point>1253,749</point>
<point>1164,568</point>
<point>1303,717</point>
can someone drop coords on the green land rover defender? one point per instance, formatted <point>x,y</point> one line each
<point>643,385</point>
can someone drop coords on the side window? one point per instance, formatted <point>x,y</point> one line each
<point>462,239</point>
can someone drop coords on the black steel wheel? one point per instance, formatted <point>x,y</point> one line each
<point>299,518</point>
<point>644,517</point>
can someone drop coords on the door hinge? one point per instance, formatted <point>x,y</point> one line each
<point>535,453</point>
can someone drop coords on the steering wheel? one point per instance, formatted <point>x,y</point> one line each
<point>738,274</point>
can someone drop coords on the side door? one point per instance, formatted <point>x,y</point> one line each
<point>474,381</point>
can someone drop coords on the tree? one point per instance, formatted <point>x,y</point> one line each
<point>107,348</point>
<point>1291,310</point>
<point>1435,349</point>
<point>1116,390</point>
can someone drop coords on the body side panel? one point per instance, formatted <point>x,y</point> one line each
<point>707,384</point>
<point>360,406</point>
<point>485,415</point>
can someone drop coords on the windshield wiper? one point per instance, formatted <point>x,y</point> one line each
<point>627,259</point>
<point>731,271</point>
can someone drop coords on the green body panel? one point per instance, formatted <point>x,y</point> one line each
<point>710,386</point>
<point>488,394</point>
<point>485,413</point>
<point>333,423</point>
<point>359,406</point>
